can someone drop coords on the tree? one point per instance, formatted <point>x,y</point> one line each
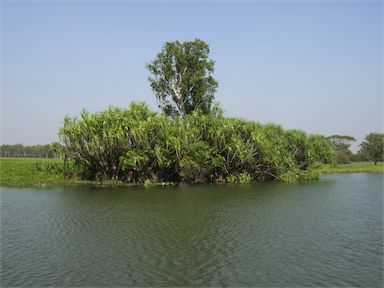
<point>373,147</point>
<point>341,145</point>
<point>19,150</point>
<point>182,78</point>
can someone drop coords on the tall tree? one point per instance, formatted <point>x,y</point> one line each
<point>373,147</point>
<point>341,145</point>
<point>182,78</point>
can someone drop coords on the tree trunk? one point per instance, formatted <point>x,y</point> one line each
<point>179,99</point>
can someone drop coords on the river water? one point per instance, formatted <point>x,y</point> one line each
<point>326,233</point>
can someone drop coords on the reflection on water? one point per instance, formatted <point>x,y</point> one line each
<point>326,233</point>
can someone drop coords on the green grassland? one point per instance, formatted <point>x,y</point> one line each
<point>42,172</point>
<point>355,167</point>
<point>31,172</point>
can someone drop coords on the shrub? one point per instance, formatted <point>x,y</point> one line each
<point>137,145</point>
<point>49,167</point>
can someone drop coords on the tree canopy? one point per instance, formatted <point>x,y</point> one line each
<point>341,145</point>
<point>182,78</point>
<point>341,140</point>
<point>372,148</point>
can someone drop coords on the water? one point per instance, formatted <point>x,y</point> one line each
<point>326,233</point>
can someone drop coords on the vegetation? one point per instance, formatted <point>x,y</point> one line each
<point>181,78</point>
<point>372,148</point>
<point>189,142</point>
<point>341,145</point>
<point>353,168</point>
<point>31,172</point>
<point>50,172</point>
<point>135,145</point>
<point>38,151</point>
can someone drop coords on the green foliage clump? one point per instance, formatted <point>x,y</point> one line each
<point>372,148</point>
<point>49,167</point>
<point>136,145</point>
<point>341,145</point>
<point>182,78</point>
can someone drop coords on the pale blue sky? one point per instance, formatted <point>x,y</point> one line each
<point>311,65</point>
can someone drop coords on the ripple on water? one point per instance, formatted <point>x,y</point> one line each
<point>326,233</point>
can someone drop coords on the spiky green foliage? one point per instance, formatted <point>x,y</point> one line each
<point>138,145</point>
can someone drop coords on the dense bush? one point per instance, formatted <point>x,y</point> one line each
<point>137,145</point>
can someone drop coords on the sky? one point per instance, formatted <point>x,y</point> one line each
<point>310,65</point>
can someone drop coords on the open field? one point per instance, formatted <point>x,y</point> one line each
<point>354,167</point>
<point>31,171</point>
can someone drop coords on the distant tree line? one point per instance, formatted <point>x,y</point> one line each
<point>34,151</point>
<point>371,149</point>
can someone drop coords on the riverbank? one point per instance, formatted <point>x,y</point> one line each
<point>45,172</point>
<point>355,167</point>
<point>37,172</point>
<point>26,172</point>
<point>42,172</point>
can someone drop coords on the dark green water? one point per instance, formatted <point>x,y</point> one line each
<point>326,233</point>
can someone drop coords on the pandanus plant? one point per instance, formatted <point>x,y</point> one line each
<point>138,145</point>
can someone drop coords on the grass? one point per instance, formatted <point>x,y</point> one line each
<point>44,172</point>
<point>41,172</point>
<point>355,167</point>
<point>31,172</point>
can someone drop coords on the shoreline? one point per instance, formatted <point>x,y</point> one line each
<point>46,172</point>
<point>354,167</point>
